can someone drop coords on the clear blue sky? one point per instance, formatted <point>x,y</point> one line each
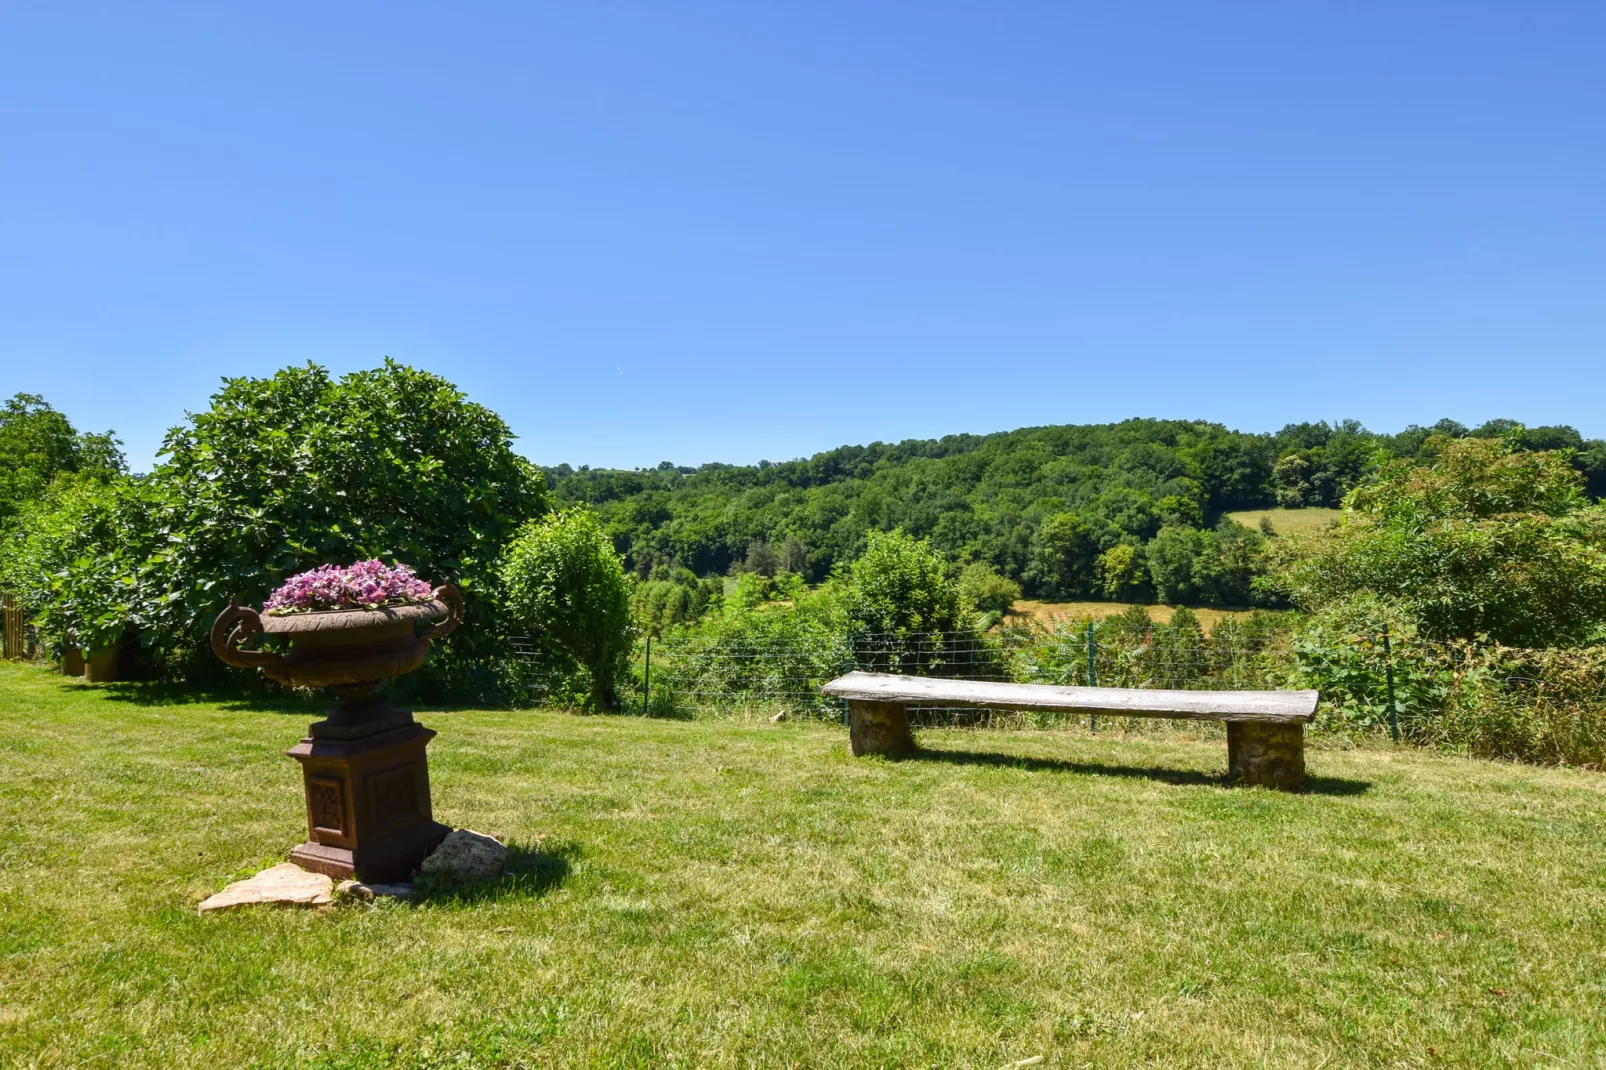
<point>726,232</point>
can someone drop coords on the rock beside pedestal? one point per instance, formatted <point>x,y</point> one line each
<point>465,855</point>
<point>367,893</point>
<point>286,884</point>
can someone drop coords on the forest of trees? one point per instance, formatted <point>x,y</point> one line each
<point>1129,510</point>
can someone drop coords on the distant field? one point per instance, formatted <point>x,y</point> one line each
<point>1289,521</point>
<point>1048,612</point>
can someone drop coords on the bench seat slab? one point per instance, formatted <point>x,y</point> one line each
<point>1295,707</point>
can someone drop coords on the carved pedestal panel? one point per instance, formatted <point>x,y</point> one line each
<point>1270,755</point>
<point>368,807</point>
<point>879,728</point>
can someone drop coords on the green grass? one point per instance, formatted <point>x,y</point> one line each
<point>1289,521</point>
<point>708,894</point>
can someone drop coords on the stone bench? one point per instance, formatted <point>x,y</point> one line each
<point>1265,729</point>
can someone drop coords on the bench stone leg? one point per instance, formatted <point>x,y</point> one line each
<point>1269,755</point>
<point>878,728</point>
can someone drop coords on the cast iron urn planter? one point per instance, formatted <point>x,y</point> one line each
<point>364,767</point>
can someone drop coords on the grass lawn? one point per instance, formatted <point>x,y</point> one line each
<point>714,894</point>
<point>1289,521</point>
<point>1048,612</point>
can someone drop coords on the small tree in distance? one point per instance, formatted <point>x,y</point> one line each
<point>565,583</point>
<point>900,586</point>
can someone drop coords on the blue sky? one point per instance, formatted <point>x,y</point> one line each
<point>726,232</point>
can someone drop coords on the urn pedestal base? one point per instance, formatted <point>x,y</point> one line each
<point>368,806</point>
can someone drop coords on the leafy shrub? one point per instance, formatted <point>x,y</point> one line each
<point>759,655</point>
<point>900,586</point>
<point>1545,706</point>
<point>1488,541</point>
<point>298,469</point>
<point>984,588</point>
<point>1340,653</point>
<point>563,582</point>
<point>672,597</point>
<point>71,555</point>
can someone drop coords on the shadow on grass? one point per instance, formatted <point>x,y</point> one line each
<point>530,873</point>
<point>313,705</point>
<point>1314,785</point>
<point>159,693</point>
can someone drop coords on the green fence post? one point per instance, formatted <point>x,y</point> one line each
<point>1092,676</point>
<point>853,664</point>
<point>646,682</point>
<point>1388,673</point>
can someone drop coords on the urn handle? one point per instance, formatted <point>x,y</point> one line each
<point>236,626</point>
<point>449,595</point>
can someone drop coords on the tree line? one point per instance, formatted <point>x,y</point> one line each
<point>1134,510</point>
<point>301,468</point>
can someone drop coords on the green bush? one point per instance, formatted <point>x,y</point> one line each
<point>565,585</point>
<point>1488,541</point>
<point>670,598</point>
<point>757,654</point>
<point>1339,652</point>
<point>279,475</point>
<point>900,586</point>
<point>285,473</point>
<point>982,586</point>
<point>1546,706</point>
<point>71,556</point>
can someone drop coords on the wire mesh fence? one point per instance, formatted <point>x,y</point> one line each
<point>1546,705</point>
<point>719,675</point>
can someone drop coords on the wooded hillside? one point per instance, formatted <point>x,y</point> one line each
<point>1042,505</point>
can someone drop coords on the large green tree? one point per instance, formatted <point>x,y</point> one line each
<point>37,443</point>
<point>298,469</point>
<point>1487,540</point>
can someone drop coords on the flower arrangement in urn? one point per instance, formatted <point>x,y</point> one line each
<point>349,627</point>
<point>366,776</point>
<point>365,585</point>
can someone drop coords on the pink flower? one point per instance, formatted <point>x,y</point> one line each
<point>364,584</point>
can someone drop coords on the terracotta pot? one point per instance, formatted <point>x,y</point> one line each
<point>101,666</point>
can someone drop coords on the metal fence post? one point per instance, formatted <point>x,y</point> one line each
<point>1388,673</point>
<point>646,682</point>
<point>1092,676</point>
<point>853,663</point>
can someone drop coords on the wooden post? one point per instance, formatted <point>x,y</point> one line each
<point>879,728</point>
<point>1267,755</point>
<point>13,635</point>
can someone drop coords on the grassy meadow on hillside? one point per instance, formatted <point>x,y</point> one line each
<point>1046,613</point>
<point>706,894</point>
<point>1288,521</point>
